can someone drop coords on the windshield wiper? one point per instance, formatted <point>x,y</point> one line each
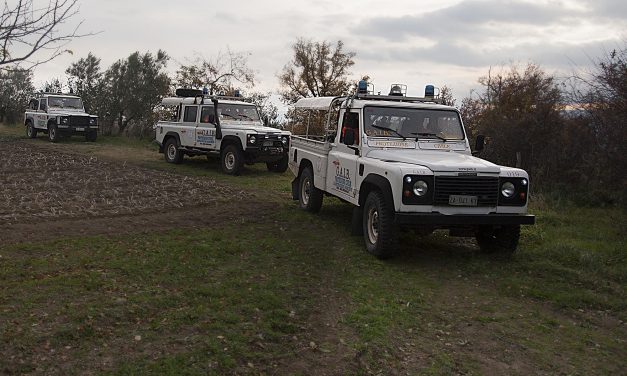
<point>246,116</point>
<point>429,135</point>
<point>389,129</point>
<point>229,115</point>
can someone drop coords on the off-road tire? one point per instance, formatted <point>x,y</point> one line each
<point>379,227</point>
<point>31,131</point>
<point>91,136</point>
<point>232,160</point>
<point>53,133</point>
<point>309,197</point>
<point>279,166</point>
<point>171,151</point>
<point>502,240</point>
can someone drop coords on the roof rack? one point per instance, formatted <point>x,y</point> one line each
<point>398,98</point>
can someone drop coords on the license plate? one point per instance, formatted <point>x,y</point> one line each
<point>461,200</point>
<point>268,143</point>
<point>80,129</point>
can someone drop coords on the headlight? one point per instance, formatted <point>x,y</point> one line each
<point>284,140</point>
<point>93,121</point>
<point>420,188</point>
<point>64,120</point>
<point>508,189</point>
<point>252,139</point>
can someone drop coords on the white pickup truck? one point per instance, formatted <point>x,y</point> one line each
<point>205,125</point>
<point>406,162</point>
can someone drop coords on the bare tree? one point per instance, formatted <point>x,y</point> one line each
<point>317,69</point>
<point>32,33</point>
<point>217,75</point>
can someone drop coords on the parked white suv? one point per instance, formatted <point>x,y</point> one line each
<point>203,125</point>
<point>58,115</point>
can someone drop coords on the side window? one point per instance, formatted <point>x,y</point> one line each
<point>43,104</point>
<point>207,115</point>
<point>34,104</point>
<point>350,122</point>
<point>190,114</point>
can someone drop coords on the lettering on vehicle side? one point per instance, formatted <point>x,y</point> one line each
<point>391,144</point>
<point>468,169</point>
<point>206,136</point>
<point>342,178</point>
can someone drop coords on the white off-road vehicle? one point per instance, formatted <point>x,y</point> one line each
<point>59,115</point>
<point>406,162</point>
<point>203,125</point>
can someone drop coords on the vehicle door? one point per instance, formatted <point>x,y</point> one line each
<point>343,158</point>
<point>41,117</point>
<point>190,122</point>
<point>206,129</point>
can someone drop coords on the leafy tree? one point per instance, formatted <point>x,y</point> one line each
<point>601,97</point>
<point>29,29</point>
<point>218,75</point>
<point>446,95</point>
<point>16,87</point>
<point>316,69</point>
<point>519,112</point>
<point>84,79</point>
<point>130,91</point>
<point>268,112</point>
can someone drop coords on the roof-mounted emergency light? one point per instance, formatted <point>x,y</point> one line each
<point>398,90</point>
<point>362,87</point>
<point>237,94</point>
<point>205,91</point>
<point>429,91</point>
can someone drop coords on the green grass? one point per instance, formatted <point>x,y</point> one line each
<point>248,298</point>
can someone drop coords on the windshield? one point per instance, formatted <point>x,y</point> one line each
<point>412,123</point>
<point>240,112</point>
<point>65,102</point>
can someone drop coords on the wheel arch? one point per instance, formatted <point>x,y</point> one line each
<point>168,136</point>
<point>376,182</point>
<point>304,163</point>
<point>231,140</point>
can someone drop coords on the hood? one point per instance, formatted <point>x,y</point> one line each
<point>436,161</point>
<point>251,126</point>
<point>67,112</point>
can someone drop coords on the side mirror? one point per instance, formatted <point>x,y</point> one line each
<point>349,136</point>
<point>479,144</point>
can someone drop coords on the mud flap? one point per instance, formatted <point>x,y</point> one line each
<point>295,187</point>
<point>357,228</point>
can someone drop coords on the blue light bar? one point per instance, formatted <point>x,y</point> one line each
<point>362,87</point>
<point>429,91</point>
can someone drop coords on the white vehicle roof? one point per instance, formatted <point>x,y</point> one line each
<point>174,101</point>
<point>315,103</point>
<point>323,103</point>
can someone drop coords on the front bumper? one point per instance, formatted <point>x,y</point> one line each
<point>77,128</point>
<point>436,219</point>
<point>265,153</point>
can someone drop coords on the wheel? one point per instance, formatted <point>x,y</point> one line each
<point>91,136</point>
<point>378,226</point>
<point>53,133</point>
<point>172,153</point>
<point>309,197</point>
<point>503,240</point>
<point>232,160</point>
<point>279,166</point>
<point>31,132</point>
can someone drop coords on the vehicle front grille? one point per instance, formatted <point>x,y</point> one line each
<point>79,120</point>
<point>486,188</point>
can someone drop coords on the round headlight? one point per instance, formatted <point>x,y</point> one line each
<point>252,139</point>
<point>284,140</point>
<point>420,188</point>
<point>64,120</point>
<point>508,189</point>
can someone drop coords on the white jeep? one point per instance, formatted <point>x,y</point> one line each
<point>205,124</point>
<point>406,163</point>
<point>59,115</point>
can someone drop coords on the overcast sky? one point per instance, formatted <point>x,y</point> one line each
<point>415,42</point>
